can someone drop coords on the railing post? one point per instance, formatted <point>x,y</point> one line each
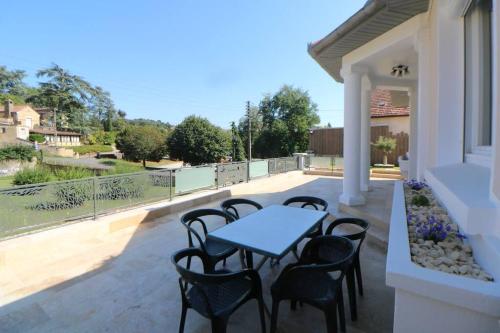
<point>286,166</point>
<point>248,171</point>
<point>170,181</point>
<point>217,176</point>
<point>94,189</point>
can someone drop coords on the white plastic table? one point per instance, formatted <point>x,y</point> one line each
<point>272,231</point>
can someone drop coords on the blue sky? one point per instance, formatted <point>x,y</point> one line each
<point>169,59</point>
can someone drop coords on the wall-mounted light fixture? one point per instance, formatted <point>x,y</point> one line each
<point>400,70</point>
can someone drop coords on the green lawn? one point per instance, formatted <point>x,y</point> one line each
<point>6,181</point>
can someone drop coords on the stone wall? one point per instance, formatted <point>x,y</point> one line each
<point>10,167</point>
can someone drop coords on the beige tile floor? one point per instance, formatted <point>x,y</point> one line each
<point>125,282</point>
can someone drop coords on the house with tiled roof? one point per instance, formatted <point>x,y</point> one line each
<point>390,108</point>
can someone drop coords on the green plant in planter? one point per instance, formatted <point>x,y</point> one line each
<point>386,145</point>
<point>420,200</point>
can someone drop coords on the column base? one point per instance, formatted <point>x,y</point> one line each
<point>366,188</point>
<point>352,200</point>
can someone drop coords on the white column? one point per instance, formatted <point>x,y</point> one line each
<point>351,194</point>
<point>412,172</point>
<point>365,134</point>
<point>424,121</point>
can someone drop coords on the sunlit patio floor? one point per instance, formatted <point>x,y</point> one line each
<point>125,282</point>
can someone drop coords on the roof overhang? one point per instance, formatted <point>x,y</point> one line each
<point>374,19</point>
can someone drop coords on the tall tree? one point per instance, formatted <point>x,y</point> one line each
<point>197,141</point>
<point>238,151</point>
<point>65,91</point>
<point>142,143</point>
<point>290,113</point>
<point>12,85</point>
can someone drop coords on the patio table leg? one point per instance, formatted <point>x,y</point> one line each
<point>249,257</point>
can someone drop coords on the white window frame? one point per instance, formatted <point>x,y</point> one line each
<point>474,148</point>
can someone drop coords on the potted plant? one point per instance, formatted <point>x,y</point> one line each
<point>386,145</point>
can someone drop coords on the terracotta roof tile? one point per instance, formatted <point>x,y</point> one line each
<point>381,105</point>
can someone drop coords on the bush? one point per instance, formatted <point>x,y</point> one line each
<point>32,176</point>
<point>102,138</point>
<point>87,149</point>
<point>142,143</point>
<point>17,152</point>
<point>35,137</point>
<point>197,141</point>
<point>420,200</point>
<point>72,173</point>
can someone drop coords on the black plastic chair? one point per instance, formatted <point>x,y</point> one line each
<point>354,272</point>
<point>229,206</point>
<point>216,294</point>
<point>314,202</point>
<point>310,280</point>
<point>216,251</point>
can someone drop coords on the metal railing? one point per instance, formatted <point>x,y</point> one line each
<point>32,207</point>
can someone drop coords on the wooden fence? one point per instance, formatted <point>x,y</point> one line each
<point>330,141</point>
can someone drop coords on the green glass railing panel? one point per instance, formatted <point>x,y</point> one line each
<point>259,168</point>
<point>127,190</point>
<point>291,164</point>
<point>339,162</point>
<point>32,207</point>
<point>322,162</point>
<point>190,179</point>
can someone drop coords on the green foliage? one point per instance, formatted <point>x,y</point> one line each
<point>35,137</point>
<point>420,200</point>
<point>17,152</point>
<point>197,141</point>
<point>68,173</point>
<point>141,143</point>
<point>385,144</point>
<point>102,138</point>
<point>287,117</point>
<point>149,122</point>
<point>32,176</point>
<point>272,141</point>
<point>238,150</point>
<point>87,149</point>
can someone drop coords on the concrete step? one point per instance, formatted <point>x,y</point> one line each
<point>387,171</point>
<point>373,220</point>
<point>339,173</point>
<point>386,176</point>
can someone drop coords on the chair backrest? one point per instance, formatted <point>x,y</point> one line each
<point>189,277</point>
<point>361,224</point>
<point>321,255</point>
<point>308,201</point>
<point>229,206</point>
<point>196,216</point>
<point>333,251</point>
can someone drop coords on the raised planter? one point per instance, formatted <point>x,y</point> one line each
<point>430,300</point>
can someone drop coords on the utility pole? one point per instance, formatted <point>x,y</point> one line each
<point>249,132</point>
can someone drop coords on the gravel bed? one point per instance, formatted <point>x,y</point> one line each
<point>435,240</point>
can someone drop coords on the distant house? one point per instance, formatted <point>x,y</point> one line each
<point>390,108</point>
<point>18,121</point>
<point>58,138</point>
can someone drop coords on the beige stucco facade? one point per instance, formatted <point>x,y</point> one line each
<point>396,124</point>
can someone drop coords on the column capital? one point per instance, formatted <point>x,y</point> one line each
<point>353,70</point>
